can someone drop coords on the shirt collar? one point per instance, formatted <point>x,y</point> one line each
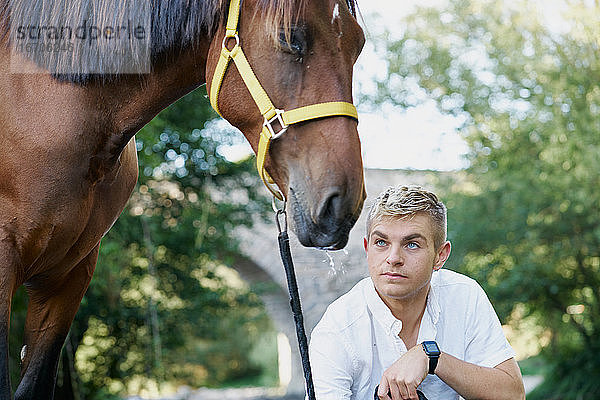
<point>393,326</point>
<point>428,328</point>
<point>381,313</point>
<point>433,300</point>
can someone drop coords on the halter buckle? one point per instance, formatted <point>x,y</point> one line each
<point>269,124</point>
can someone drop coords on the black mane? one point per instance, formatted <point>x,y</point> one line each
<point>148,29</point>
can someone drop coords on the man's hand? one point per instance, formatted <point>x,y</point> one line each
<point>401,379</point>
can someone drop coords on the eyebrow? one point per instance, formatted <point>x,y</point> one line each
<point>380,234</point>
<point>404,239</point>
<point>414,236</point>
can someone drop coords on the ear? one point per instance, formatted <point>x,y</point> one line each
<point>366,244</point>
<point>442,256</point>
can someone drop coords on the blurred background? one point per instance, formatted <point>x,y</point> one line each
<point>495,105</point>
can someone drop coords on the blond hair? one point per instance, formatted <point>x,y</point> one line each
<point>403,201</point>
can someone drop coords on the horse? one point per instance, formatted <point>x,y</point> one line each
<point>68,117</point>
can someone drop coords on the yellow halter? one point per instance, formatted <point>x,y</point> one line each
<point>262,100</point>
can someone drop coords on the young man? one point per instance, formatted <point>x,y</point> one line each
<point>412,325</point>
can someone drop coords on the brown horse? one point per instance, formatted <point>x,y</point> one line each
<point>68,161</point>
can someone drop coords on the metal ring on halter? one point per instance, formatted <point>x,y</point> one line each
<point>274,187</point>
<point>227,37</point>
<point>274,205</point>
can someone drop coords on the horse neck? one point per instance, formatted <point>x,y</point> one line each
<point>139,99</point>
<point>107,112</point>
<point>130,102</point>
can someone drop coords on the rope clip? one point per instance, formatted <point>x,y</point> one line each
<point>278,213</point>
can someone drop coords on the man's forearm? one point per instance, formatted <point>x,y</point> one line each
<point>475,382</point>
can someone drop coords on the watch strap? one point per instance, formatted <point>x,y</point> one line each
<point>433,361</point>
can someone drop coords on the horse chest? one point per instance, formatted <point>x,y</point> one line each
<point>52,211</point>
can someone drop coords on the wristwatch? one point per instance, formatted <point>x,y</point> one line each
<point>433,352</point>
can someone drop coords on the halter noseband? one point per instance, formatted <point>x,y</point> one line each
<point>262,100</point>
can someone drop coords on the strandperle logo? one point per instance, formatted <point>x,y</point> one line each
<point>63,39</point>
<point>82,32</point>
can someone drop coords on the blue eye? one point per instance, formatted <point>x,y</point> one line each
<point>412,245</point>
<point>380,242</point>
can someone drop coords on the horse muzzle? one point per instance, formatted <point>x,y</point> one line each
<point>328,224</point>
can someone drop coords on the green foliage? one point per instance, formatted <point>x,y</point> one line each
<point>163,306</point>
<point>524,220</point>
<point>572,374</point>
<point>536,365</point>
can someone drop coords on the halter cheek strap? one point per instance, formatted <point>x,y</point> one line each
<point>271,115</point>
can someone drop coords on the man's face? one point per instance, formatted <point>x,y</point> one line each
<point>401,256</point>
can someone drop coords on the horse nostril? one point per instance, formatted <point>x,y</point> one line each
<point>331,209</point>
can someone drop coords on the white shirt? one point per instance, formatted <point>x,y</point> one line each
<point>357,338</point>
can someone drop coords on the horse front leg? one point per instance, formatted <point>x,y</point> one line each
<point>5,302</point>
<point>8,286</point>
<point>49,319</point>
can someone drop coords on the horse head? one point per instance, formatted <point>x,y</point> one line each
<point>316,164</point>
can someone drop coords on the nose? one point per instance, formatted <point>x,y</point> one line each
<point>395,256</point>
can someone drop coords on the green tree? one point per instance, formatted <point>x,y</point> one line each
<point>163,307</point>
<point>524,220</point>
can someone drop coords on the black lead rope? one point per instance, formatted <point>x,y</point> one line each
<point>286,258</point>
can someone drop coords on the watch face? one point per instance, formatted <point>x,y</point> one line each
<point>431,348</point>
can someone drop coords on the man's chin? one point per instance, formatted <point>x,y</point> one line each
<point>391,291</point>
<point>399,290</point>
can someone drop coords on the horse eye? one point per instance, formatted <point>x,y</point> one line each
<point>297,42</point>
